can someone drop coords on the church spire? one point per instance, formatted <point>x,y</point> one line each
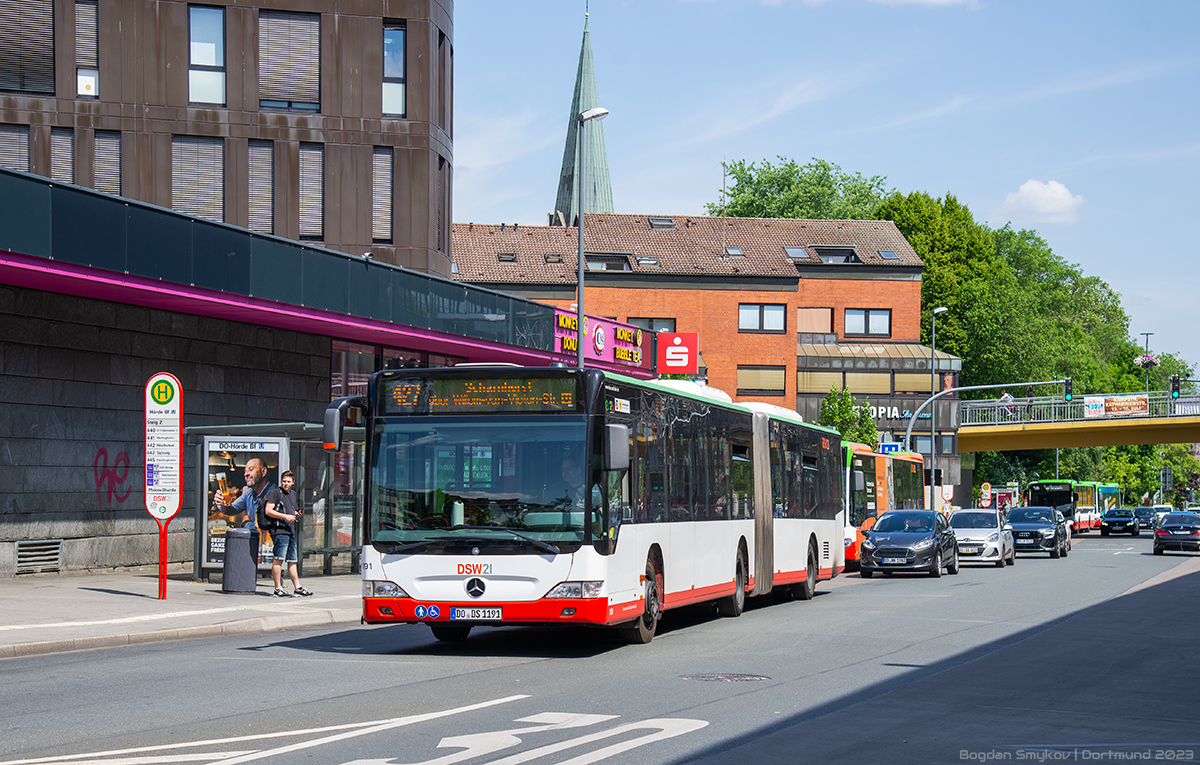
<point>599,188</point>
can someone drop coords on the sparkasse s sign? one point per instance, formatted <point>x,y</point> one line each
<point>678,353</point>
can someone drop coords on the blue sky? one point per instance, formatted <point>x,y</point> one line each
<point>1077,118</point>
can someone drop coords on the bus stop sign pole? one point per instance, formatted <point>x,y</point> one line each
<point>164,457</point>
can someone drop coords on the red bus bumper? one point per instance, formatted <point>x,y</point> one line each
<point>544,611</point>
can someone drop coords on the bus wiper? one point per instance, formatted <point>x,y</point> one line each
<point>539,544</point>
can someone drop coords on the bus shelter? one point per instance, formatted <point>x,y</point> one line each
<point>329,485</point>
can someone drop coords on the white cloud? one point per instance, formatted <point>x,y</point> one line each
<point>1037,202</point>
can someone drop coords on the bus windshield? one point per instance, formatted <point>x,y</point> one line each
<point>502,482</point>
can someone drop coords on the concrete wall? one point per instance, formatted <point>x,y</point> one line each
<point>72,376</point>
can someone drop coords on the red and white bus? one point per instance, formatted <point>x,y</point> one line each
<point>875,484</point>
<point>473,515</point>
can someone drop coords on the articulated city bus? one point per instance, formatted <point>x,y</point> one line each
<point>1087,505</point>
<point>877,483</point>
<point>510,495</point>
<point>1059,494</point>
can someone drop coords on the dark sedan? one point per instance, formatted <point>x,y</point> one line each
<point>1119,521</point>
<point>1040,529</point>
<point>1145,516</point>
<point>1177,531</point>
<point>909,540</point>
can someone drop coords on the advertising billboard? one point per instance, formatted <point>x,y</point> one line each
<point>224,462</point>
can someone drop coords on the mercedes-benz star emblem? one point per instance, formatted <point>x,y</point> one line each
<point>475,587</point>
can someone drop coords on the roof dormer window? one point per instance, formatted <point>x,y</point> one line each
<point>837,254</point>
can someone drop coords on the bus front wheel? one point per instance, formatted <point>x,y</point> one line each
<point>641,630</point>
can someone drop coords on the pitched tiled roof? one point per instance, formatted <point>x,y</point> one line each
<point>695,247</point>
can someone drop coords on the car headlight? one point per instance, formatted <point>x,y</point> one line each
<point>372,589</point>
<point>576,590</point>
<point>868,544</point>
<point>994,537</point>
<point>923,544</point>
<point>1048,532</point>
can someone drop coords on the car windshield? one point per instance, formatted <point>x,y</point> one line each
<point>905,522</point>
<point>1181,519</point>
<point>1118,514</point>
<point>1031,515</point>
<point>966,520</point>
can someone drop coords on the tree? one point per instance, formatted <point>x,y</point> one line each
<point>841,412</point>
<point>819,189</point>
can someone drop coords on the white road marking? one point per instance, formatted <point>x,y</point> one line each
<point>176,614</point>
<point>350,730</point>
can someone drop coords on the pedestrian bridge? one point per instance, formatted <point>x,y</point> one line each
<point>1104,420</point>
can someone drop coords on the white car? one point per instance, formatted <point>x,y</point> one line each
<point>983,537</point>
<point>1160,511</point>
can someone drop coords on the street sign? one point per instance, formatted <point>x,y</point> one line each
<point>985,488</point>
<point>985,495</point>
<point>889,447</point>
<point>947,492</point>
<point>164,458</point>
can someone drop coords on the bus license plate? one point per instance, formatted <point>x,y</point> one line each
<point>895,561</point>
<point>476,614</point>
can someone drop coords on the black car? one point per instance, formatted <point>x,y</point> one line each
<point>909,540</point>
<point>1119,521</point>
<point>1177,531</point>
<point>1146,517</point>
<point>1040,529</point>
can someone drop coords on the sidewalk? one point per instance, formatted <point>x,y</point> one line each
<point>48,614</point>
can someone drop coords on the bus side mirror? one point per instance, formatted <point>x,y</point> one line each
<point>616,447</point>
<point>860,482</point>
<point>335,415</point>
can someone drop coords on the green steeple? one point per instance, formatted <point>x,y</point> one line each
<point>598,194</point>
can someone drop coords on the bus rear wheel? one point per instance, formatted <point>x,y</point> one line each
<point>806,589</point>
<point>733,605</point>
<point>450,633</point>
<point>641,630</point>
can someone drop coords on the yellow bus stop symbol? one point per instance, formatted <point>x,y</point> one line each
<point>162,392</point>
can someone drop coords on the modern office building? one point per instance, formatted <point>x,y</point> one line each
<point>314,120</point>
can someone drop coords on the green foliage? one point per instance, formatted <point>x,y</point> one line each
<point>840,411</point>
<point>789,190</point>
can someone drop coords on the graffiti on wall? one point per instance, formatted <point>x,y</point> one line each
<point>110,481</point>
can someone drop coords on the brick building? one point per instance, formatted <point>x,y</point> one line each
<point>786,309</point>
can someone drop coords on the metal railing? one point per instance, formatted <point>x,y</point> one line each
<point>1044,409</point>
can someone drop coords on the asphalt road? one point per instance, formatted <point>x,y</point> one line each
<point>1033,662</point>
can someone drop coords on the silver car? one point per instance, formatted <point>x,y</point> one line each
<point>983,537</point>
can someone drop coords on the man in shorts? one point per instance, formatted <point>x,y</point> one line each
<point>281,514</point>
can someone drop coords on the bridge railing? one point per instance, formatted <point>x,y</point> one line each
<point>1053,409</point>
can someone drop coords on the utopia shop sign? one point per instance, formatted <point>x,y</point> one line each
<point>604,340</point>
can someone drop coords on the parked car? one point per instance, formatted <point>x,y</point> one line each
<point>1119,520</point>
<point>909,540</point>
<point>1177,531</point>
<point>1146,517</point>
<point>983,536</point>
<point>1040,529</point>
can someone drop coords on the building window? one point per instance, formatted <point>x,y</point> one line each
<point>761,381</point>
<point>289,61</point>
<point>814,320</point>
<point>393,70</point>
<point>261,180</point>
<point>87,53</point>
<point>869,382</point>
<point>875,322</point>
<point>837,254</point>
<point>312,191</point>
<point>381,194</point>
<point>818,382</point>
<point>757,317</point>
<point>108,162</point>
<point>596,262</point>
<point>350,366</point>
<point>911,382</point>
<point>14,147</point>
<point>62,155</point>
<point>27,46</point>
<point>198,176</point>
<point>653,324</point>
<point>206,55</point>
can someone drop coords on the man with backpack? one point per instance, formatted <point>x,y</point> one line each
<point>280,512</point>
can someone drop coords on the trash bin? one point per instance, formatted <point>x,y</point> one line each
<point>240,570</point>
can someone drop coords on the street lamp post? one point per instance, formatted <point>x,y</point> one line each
<point>1147,368</point>
<point>595,113</point>
<point>933,450</point>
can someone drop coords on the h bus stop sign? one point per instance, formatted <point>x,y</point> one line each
<point>164,457</point>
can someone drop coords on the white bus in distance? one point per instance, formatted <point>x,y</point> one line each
<point>502,495</point>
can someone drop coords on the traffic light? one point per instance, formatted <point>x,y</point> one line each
<point>1067,393</point>
<point>1174,386</point>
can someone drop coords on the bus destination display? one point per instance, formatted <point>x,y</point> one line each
<point>464,396</point>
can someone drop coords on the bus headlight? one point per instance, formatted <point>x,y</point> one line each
<point>848,541</point>
<point>576,590</point>
<point>373,589</point>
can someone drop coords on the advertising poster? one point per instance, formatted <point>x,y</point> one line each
<point>606,340</point>
<point>225,460</point>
